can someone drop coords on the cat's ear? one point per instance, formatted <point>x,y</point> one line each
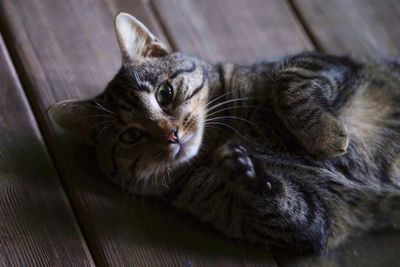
<point>135,40</point>
<point>76,116</point>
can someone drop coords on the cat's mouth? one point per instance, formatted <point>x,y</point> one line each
<point>175,151</point>
<point>183,150</point>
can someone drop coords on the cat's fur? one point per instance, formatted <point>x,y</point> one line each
<point>300,152</point>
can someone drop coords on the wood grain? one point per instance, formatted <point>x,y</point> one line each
<point>364,27</point>
<point>37,226</point>
<point>371,250</point>
<point>68,50</point>
<point>234,30</point>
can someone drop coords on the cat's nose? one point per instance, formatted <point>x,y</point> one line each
<point>172,137</point>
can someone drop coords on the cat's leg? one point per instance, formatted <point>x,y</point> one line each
<point>281,210</point>
<point>305,97</point>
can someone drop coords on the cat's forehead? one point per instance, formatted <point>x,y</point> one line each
<point>164,66</point>
<point>134,88</point>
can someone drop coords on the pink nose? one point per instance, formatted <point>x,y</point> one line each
<point>172,137</point>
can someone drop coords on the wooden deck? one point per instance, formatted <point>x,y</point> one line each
<point>56,209</point>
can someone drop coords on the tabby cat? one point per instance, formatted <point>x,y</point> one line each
<point>298,153</point>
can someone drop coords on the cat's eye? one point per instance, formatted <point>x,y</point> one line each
<point>131,136</point>
<point>164,94</point>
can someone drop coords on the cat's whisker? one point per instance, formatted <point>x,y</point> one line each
<point>226,125</point>
<point>208,105</point>
<point>235,107</point>
<point>205,149</point>
<point>102,107</point>
<point>165,171</point>
<point>168,175</point>
<point>99,116</point>
<point>227,102</point>
<point>203,110</point>
<point>233,118</point>
<point>99,109</point>
<point>219,97</point>
<point>159,174</point>
<point>163,182</point>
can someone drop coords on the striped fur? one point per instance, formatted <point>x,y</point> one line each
<point>301,152</point>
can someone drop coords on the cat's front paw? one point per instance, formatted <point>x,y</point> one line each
<point>327,139</point>
<point>233,162</point>
<point>237,169</point>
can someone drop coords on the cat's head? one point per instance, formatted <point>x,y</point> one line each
<point>150,118</point>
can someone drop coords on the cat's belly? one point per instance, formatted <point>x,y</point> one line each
<point>372,119</point>
<point>207,197</point>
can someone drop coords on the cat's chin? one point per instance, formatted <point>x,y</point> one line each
<point>185,151</point>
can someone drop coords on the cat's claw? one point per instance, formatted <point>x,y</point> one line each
<point>235,166</point>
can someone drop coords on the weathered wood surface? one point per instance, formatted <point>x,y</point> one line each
<point>232,30</point>
<point>363,27</point>
<point>37,225</point>
<point>67,49</point>
<point>73,56</point>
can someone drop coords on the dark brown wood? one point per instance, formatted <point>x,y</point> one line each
<point>366,27</point>
<point>67,49</point>
<point>142,12</point>
<point>371,250</point>
<point>234,30</point>
<point>37,226</point>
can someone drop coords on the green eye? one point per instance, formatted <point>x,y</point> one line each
<point>131,136</point>
<point>164,94</point>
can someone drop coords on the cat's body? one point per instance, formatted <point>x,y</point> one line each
<point>300,152</point>
<point>303,202</point>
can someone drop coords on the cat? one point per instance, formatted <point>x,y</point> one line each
<point>298,153</point>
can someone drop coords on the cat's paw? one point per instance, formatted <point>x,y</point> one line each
<point>237,169</point>
<point>327,139</point>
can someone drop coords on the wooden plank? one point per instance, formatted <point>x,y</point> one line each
<point>234,30</point>
<point>37,226</point>
<point>67,49</point>
<point>366,27</point>
<point>142,12</point>
<point>374,249</point>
